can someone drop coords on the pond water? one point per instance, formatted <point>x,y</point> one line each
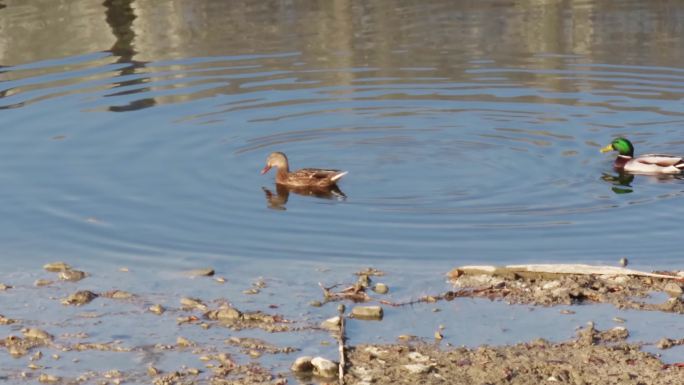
<point>132,134</point>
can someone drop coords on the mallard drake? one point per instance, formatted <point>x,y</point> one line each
<point>306,177</point>
<point>643,164</point>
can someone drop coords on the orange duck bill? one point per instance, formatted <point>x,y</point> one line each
<point>265,170</point>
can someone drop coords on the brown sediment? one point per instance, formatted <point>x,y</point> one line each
<point>544,288</point>
<point>593,357</point>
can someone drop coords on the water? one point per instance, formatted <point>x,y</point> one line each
<point>132,134</point>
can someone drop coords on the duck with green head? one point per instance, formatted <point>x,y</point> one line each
<point>642,164</point>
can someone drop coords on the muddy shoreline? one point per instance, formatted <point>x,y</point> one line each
<point>215,341</point>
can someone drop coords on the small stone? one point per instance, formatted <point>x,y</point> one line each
<point>4,287</point>
<point>418,357</point>
<point>56,267</point>
<point>664,343</point>
<point>367,312</point>
<point>228,314</point>
<point>124,269</point>
<point>184,342</point>
<point>567,311</point>
<point>254,353</point>
<point>152,371</point>
<point>119,294</point>
<point>341,308</point>
<point>323,367</point>
<point>673,289</point>
<point>194,371</point>
<point>79,298</point>
<point>48,378</point>
<point>332,324</point>
<point>251,291</point>
<point>315,303</point>
<point>220,279</point>
<point>71,275</point>
<point>56,357</point>
<point>302,364</point>
<point>624,262</point>
<point>380,288</point>
<point>418,368</point>
<point>37,334</point>
<point>207,272</point>
<point>406,337</point>
<point>157,309</point>
<point>363,281</point>
<point>6,321</point>
<point>42,282</point>
<point>188,303</point>
<point>618,320</point>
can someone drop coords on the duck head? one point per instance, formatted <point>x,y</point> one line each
<point>277,160</point>
<point>623,146</point>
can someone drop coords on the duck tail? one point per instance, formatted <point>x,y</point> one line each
<point>337,176</point>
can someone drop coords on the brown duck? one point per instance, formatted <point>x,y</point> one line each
<point>306,177</point>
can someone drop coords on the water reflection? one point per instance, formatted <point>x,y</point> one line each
<point>622,182</point>
<point>120,16</point>
<point>278,200</point>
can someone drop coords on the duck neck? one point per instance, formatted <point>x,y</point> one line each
<point>282,173</point>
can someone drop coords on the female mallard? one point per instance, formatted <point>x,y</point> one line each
<point>643,164</point>
<point>306,177</point>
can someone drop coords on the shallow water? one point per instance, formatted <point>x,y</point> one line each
<point>133,132</point>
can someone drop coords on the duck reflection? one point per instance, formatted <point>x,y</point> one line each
<point>278,200</point>
<point>622,182</point>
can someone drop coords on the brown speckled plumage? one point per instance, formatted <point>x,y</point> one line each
<point>306,177</point>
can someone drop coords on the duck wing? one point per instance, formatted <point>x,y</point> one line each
<point>661,160</point>
<point>317,174</point>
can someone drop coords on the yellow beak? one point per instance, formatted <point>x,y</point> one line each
<point>608,148</point>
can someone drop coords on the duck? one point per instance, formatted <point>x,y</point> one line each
<point>642,164</point>
<point>312,178</point>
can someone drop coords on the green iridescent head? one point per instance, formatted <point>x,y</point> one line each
<point>622,146</point>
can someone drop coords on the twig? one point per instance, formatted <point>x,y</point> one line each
<point>341,341</point>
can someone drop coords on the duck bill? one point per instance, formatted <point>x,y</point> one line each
<point>265,170</point>
<point>608,148</point>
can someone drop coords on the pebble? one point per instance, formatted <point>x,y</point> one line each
<point>56,267</point>
<point>152,371</point>
<point>380,288</point>
<point>315,304</point>
<point>119,294</point>
<point>79,298</point>
<point>323,367</point>
<point>192,303</point>
<point>618,320</point>
<point>71,275</point>
<point>42,282</point>
<point>332,324</point>
<point>207,272</point>
<point>367,312</point>
<point>157,309</point>
<point>673,289</point>
<point>48,378</point>
<point>418,368</point>
<point>228,313</point>
<point>184,342</point>
<point>38,334</point>
<point>418,357</point>
<point>664,343</point>
<point>220,279</point>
